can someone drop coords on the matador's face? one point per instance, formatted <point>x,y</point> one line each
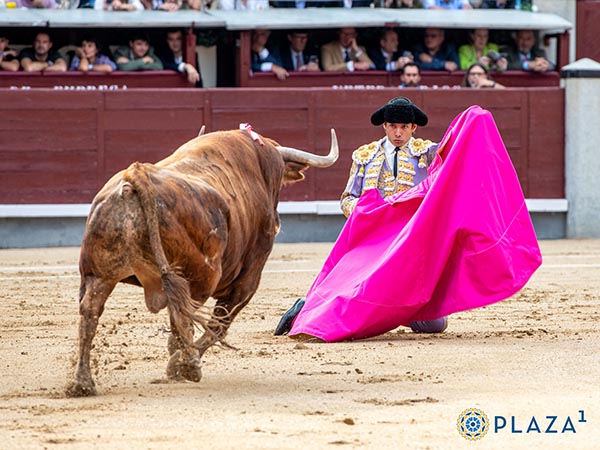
<point>399,133</point>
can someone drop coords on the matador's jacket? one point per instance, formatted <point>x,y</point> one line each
<point>371,170</point>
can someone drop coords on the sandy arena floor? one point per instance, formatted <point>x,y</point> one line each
<point>529,357</point>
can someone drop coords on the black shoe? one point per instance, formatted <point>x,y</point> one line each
<point>430,326</point>
<point>285,324</point>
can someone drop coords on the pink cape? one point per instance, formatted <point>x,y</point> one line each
<point>460,240</point>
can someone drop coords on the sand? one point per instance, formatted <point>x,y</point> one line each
<point>530,357</point>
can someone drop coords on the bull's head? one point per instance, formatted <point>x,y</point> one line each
<point>296,161</point>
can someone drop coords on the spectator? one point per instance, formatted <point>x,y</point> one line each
<point>229,5</point>
<point>482,51</point>
<point>386,55</point>
<point>478,77</point>
<point>344,54</point>
<point>80,4</point>
<point>88,58</point>
<point>172,57</point>
<point>262,59</point>
<point>526,55</point>
<point>90,4</point>
<point>352,3</point>
<point>41,57</point>
<point>200,5</point>
<point>122,5</point>
<point>505,4</point>
<point>162,5</point>
<point>435,53</point>
<point>294,57</point>
<point>8,57</point>
<point>300,4</point>
<point>411,76</point>
<point>447,4</point>
<point>417,4</point>
<point>32,4</point>
<point>139,55</point>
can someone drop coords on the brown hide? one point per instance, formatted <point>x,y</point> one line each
<point>216,204</point>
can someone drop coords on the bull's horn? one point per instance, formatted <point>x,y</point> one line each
<point>311,159</point>
<point>202,130</point>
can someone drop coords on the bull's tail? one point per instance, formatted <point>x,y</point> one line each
<point>177,290</point>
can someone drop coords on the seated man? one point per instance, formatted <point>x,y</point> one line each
<point>8,57</point>
<point>163,5</point>
<point>344,54</point>
<point>294,56</point>
<point>262,59</point>
<point>172,57</point>
<point>41,57</point>
<point>139,55</point>
<point>447,4</point>
<point>387,56</point>
<point>411,76</point>
<point>505,4</point>
<point>434,53</point>
<point>526,55</point>
<point>123,5</point>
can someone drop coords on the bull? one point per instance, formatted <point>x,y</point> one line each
<point>198,224</point>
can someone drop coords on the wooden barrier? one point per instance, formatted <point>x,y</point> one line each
<point>61,146</point>
<point>116,79</point>
<point>171,79</point>
<point>510,78</point>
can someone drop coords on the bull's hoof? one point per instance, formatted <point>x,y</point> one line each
<point>78,389</point>
<point>184,369</point>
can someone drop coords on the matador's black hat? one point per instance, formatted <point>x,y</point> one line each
<point>399,110</point>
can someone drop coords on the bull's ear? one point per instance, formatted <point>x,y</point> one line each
<point>293,172</point>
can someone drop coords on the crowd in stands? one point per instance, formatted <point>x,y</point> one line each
<point>174,5</point>
<point>430,50</point>
<point>90,56</point>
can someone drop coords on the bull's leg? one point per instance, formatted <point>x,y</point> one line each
<point>228,307</point>
<point>185,360</point>
<point>224,312</point>
<point>90,309</point>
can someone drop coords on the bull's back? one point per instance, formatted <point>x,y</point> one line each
<point>246,174</point>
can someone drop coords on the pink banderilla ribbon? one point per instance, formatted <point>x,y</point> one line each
<point>248,129</point>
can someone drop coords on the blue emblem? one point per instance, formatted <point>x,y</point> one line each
<point>472,424</point>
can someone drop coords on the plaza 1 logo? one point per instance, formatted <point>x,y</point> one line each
<point>473,424</point>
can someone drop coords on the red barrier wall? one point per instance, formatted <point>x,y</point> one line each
<point>61,146</point>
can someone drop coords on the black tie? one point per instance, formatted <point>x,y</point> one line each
<point>346,55</point>
<point>395,168</point>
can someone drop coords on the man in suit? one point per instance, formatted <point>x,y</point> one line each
<point>526,55</point>
<point>294,56</point>
<point>172,57</point>
<point>344,54</point>
<point>386,55</point>
<point>262,59</point>
<point>434,53</point>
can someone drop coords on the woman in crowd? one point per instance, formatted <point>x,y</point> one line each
<point>478,77</point>
<point>88,58</point>
<point>481,50</point>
